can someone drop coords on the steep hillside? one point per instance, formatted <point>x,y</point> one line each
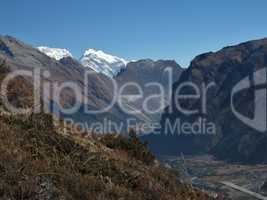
<point>40,160</point>
<point>233,139</point>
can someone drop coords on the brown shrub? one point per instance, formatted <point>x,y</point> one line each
<point>36,162</point>
<point>132,145</point>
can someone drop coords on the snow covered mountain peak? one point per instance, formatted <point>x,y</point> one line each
<point>102,62</point>
<point>55,53</point>
<point>97,60</point>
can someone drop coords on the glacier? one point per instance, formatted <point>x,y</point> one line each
<point>102,62</point>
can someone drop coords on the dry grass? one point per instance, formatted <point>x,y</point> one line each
<point>37,163</point>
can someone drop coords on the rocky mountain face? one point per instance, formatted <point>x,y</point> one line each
<point>148,75</point>
<point>142,73</point>
<point>233,140</point>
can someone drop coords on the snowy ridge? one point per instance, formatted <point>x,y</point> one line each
<point>55,53</point>
<point>97,60</point>
<point>102,62</point>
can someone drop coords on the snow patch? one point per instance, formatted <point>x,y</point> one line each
<point>55,53</point>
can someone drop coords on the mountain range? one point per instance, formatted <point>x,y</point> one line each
<point>96,60</point>
<point>233,140</point>
<point>103,69</point>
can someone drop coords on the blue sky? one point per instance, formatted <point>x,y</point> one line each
<point>135,29</point>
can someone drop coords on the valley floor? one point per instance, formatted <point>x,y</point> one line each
<point>208,174</point>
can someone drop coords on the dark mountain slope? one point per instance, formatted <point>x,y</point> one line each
<point>233,140</point>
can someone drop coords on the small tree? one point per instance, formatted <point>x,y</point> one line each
<point>138,149</point>
<point>133,137</point>
<point>3,67</point>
